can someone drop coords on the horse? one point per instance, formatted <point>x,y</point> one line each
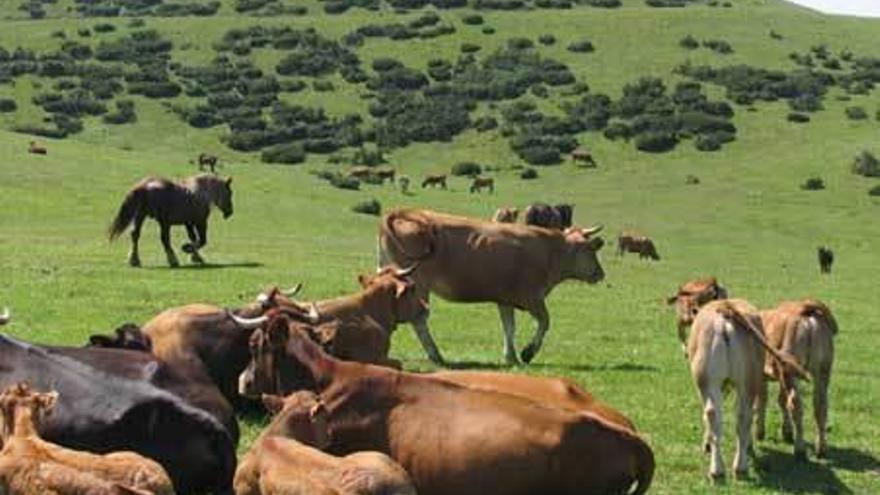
<point>209,160</point>
<point>434,180</point>
<point>187,203</point>
<point>480,183</point>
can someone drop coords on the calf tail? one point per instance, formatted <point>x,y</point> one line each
<point>644,467</point>
<point>783,359</point>
<point>127,211</point>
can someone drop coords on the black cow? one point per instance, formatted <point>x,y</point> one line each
<point>826,259</point>
<point>111,400</point>
<point>128,336</point>
<point>551,217</point>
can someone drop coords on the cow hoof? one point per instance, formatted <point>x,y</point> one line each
<point>741,475</point>
<point>716,478</point>
<point>528,354</point>
<point>135,262</point>
<point>196,258</point>
<point>173,263</point>
<point>707,449</point>
<point>800,456</point>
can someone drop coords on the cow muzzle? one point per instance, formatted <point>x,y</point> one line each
<point>246,383</point>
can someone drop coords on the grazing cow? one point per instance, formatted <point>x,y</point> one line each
<point>109,401</point>
<point>435,180</point>
<point>206,160</point>
<point>29,464</point>
<point>552,217</point>
<point>556,392</point>
<point>826,259</point>
<point>691,296</point>
<point>36,149</point>
<point>403,181</point>
<point>804,329</point>
<point>480,183</point>
<point>628,242</point>
<point>470,260</point>
<point>360,173</point>
<point>726,347</point>
<point>187,202</point>
<point>583,156</point>
<point>462,440</point>
<point>505,215</point>
<point>284,461</point>
<point>385,173</point>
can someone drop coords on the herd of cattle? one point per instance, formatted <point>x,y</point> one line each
<point>152,409</point>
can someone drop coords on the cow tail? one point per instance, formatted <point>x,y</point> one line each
<point>783,359</point>
<point>392,235</point>
<point>130,205</point>
<point>644,467</point>
<point>818,309</point>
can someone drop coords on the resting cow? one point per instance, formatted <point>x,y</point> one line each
<point>635,243</point>
<point>550,217</point>
<point>803,329</point>
<point>692,296</point>
<point>286,460</point>
<point>108,402</point>
<point>31,465</point>
<point>469,260</point>
<point>726,347</point>
<point>462,440</point>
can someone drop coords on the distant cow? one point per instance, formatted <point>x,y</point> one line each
<point>361,173</point>
<point>583,156</point>
<point>37,149</point>
<point>551,217</point>
<point>727,347</point>
<point>128,336</point>
<point>635,243</point>
<point>826,259</point>
<point>206,160</point>
<point>690,297</point>
<point>804,329</point>
<point>505,215</point>
<point>31,465</point>
<point>434,181</point>
<point>403,182</point>
<point>385,173</point>
<point>480,183</point>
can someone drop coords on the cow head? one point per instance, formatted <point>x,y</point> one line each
<point>128,336</point>
<point>692,296</point>
<point>301,416</point>
<point>19,405</point>
<point>566,214</point>
<point>276,298</point>
<point>408,304</point>
<point>581,258</point>
<point>271,370</point>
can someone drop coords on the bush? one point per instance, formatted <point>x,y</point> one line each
<point>656,141</point>
<point>488,30</point>
<point>798,118</point>
<point>469,169</point>
<point>371,207</point>
<point>718,46</point>
<point>866,164</point>
<point>470,48</point>
<point>528,174</point>
<point>547,39</point>
<point>7,105</point>
<point>856,113</point>
<point>383,64</point>
<point>606,4</point>
<point>104,28</point>
<point>583,46</point>
<point>288,153</point>
<point>708,142</point>
<point>486,123</point>
<point>874,191</point>
<point>472,19</point>
<point>618,130</point>
<point>813,184</point>
<point>344,182</point>
<point>689,42</point>
<point>323,86</point>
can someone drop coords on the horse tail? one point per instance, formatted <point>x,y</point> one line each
<point>127,211</point>
<point>644,467</point>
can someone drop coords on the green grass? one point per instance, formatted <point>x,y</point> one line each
<point>747,222</point>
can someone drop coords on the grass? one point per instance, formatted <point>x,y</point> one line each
<point>747,222</point>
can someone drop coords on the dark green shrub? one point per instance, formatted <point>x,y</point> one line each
<point>528,174</point>
<point>606,4</point>
<point>137,23</point>
<point>547,39</point>
<point>488,30</point>
<point>874,191</point>
<point>520,43</point>
<point>689,42</point>
<point>124,114</point>
<point>798,118</point>
<point>618,130</point>
<point>344,182</point>
<point>583,46</point>
<point>7,105</point>
<point>656,141</point>
<point>856,113</point>
<point>104,28</point>
<point>539,90</point>
<point>469,169</point>
<point>369,158</point>
<point>866,164</point>
<point>472,19</point>
<point>84,32</point>
<point>485,123</point>
<point>292,85</point>
<point>718,46</point>
<point>708,142</point>
<point>322,86</point>
<point>813,184</point>
<point>383,64</point>
<point>371,207</point>
<point>806,103</point>
<point>288,153</point>
<point>470,48</point>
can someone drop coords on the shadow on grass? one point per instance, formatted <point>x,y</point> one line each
<point>558,367</point>
<point>853,460</point>
<point>211,266</point>
<point>778,470</point>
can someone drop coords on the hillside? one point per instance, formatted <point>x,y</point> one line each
<point>748,221</point>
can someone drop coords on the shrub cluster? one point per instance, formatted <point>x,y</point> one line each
<point>426,26</point>
<point>466,169</point>
<point>813,184</point>
<point>159,8</point>
<point>370,207</point>
<point>866,164</point>
<point>124,114</point>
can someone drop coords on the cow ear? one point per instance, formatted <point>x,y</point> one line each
<point>273,403</point>
<point>229,181</point>
<point>401,289</point>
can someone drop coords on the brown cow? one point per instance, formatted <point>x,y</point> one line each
<point>691,296</point>
<point>480,183</point>
<point>434,180</point>
<point>462,440</point>
<point>36,149</point>
<point>726,348</point>
<point>804,329</point>
<point>403,181</point>
<point>471,260</point>
<point>505,215</point>
<point>551,217</point>
<point>361,173</point>
<point>30,465</point>
<point>206,160</point>
<point>558,392</point>
<point>635,243</point>
<point>385,173</point>
<point>826,258</point>
<point>284,461</point>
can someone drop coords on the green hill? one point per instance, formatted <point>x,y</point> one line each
<point>748,221</point>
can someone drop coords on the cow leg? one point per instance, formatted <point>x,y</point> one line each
<point>428,344</point>
<point>540,314</point>
<point>712,405</point>
<point>745,402</point>
<point>820,408</point>
<point>508,325</point>
<point>761,410</point>
<point>201,229</point>
<point>134,258</point>
<point>796,408</point>
<point>165,235</point>
<point>783,407</point>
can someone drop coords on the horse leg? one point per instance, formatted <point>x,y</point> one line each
<point>134,258</point>
<point>192,247</point>
<point>165,234</point>
<point>508,324</point>
<point>201,229</point>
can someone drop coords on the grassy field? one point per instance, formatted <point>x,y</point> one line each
<point>747,222</point>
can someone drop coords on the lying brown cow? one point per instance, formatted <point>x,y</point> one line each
<point>30,466</point>
<point>36,149</point>
<point>505,215</point>
<point>803,329</point>
<point>635,243</point>
<point>470,260</point>
<point>692,296</point>
<point>462,440</point>
<point>286,459</point>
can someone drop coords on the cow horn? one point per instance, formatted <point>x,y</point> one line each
<point>592,230</point>
<point>4,317</point>
<point>293,291</point>
<point>403,272</point>
<point>313,315</point>
<point>249,323</point>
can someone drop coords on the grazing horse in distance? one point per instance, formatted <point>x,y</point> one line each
<point>187,203</point>
<point>434,180</point>
<point>480,183</point>
<point>207,160</point>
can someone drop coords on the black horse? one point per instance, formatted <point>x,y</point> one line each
<point>187,202</point>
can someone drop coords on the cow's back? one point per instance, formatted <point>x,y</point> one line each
<point>804,329</point>
<point>721,350</point>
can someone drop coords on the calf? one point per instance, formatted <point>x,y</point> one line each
<point>29,464</point>
<point>286,459</point>
<point>434,180</point>
<point>460,440</point>
<point>634,243</point>
<point>505,215</point>
<point>552,217</point>
<point>691,296</point>
<point>128,336</point>
<point>804,329</point>
<point>480,183</point>
<point>36,149</point>
<point>206,160</point>
<point>826,259</point>
<point>726,347</point>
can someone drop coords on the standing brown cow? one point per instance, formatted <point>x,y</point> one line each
<point>385,173</point>
<point>206,160</point>
<point>360,173</point>
<point>435,180</point>
<point>635,243</point>
<point>480,183</point>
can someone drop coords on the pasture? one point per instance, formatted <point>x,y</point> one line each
<point>747,222</point>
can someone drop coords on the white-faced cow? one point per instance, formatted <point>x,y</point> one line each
<point>470,260</point>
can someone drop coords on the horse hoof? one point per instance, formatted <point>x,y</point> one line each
<point>741,475</point>
<point>134,262</point>
<point>188,248</point>
<point>528,354</point>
